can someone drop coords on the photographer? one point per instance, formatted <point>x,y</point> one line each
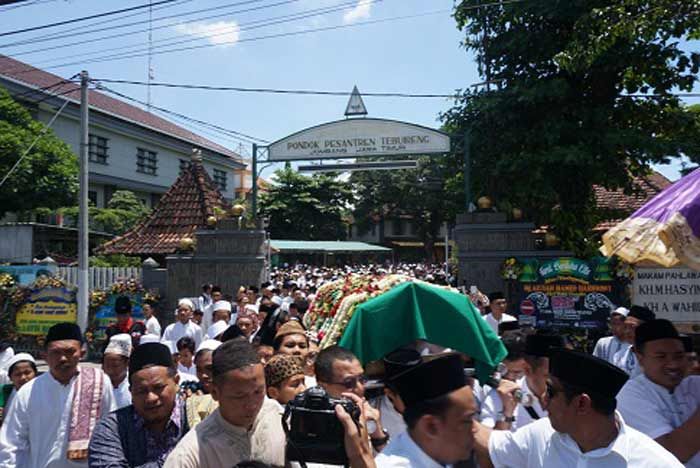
<point>338,371</point>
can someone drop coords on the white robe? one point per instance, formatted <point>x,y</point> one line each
<point>153,326</point>
<point>35,431</point>
<point>5,357</point>
<point>122,394</point>
<point>177,330</point>
<point>607,346</point>
<point>493,323</point>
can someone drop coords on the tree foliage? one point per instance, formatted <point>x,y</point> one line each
<point>429,196</point>
<point>306,208</point>
<point>123,212</point>
<point>47,176</point>
<point>560,116</point>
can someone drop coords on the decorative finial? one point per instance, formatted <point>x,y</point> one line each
<point>196,155</point>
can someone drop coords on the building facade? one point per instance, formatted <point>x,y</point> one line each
<point>130,148</point>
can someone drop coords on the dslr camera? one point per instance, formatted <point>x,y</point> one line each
<point>314,433</point>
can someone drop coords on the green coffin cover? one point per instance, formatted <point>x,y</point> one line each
<point>414,311</point>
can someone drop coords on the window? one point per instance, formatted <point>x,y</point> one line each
<point>184,164</point>
<point>97,149</point>
<point>92,196</point>
<point>220,179</point>
<point>146,161</point>
<point>398,227</point>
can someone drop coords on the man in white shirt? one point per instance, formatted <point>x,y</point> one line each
<point>439,414</point>
<point>48,423</point>
<point>391,407</point>
<point>533,386</point>
<point>625,358</point>
<point>493,413</point>
<point>498,311</point>
<point>152,323</point>
<point>607,346</point>
<point>184,326</point>
<point>583,429</point>
<point>115,363</point>
<point>208,318</point>
<point>662,402</point>
<point>245,426</point>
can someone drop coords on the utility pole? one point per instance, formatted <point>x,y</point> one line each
<point>447,250</point>
<point>83,241</point>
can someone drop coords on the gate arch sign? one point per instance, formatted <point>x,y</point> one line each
<point>358,138</point>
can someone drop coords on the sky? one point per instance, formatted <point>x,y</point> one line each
<point>406,46</point>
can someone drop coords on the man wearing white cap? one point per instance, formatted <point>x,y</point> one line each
<point>221,310</point>
<point>606,347</point>
<point>115,364</point>
<point>184,326</point>
<point>208,317</point>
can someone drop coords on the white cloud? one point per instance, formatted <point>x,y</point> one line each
<point>225,33</point>
<point>360,11</point>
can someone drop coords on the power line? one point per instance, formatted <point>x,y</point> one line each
<point>130,33</point>
<point>273,90</point>
<point>54,35</point>
<point>241,27</point>
<point>182,116</point>
<point>24,4</point>
<point>251,39</point>
<point>84,18</point>
<point>135,23</point>
<point>41,134</point>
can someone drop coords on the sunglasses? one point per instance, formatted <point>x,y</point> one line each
<point>351,382</point>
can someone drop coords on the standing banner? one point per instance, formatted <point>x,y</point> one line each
<point>565,292</point>
<point>671,293</point>
<point>44,308</point>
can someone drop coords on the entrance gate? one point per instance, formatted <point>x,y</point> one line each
<point>357,138</point>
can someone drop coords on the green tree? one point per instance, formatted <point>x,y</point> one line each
<point>306,208</point>
<point>429,195</point>
<point>558,117</point>
<point>47,176</point>
<point>123,212</point>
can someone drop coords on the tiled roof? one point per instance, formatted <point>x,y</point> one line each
<point>24,73</point>
<point>618,205</point>
<point>183,209</point>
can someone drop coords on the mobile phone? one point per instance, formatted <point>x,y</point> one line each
<point>473,290</point>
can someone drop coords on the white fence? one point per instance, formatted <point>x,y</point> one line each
<point>100,277</point>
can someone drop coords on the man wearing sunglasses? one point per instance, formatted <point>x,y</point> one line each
<point>339,371</point>
<point>583,428</point>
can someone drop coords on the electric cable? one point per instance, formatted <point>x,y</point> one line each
<point>244,136</point>
<point>84,18</point>
<point>41,134</point>
<point>52,36</point>
<point>241,27</point>
<point>135,23</point>
<point>273,90</point>
<point>246,40</point>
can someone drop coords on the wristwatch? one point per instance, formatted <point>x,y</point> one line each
<point>379,441</point>
<point>503,418</point>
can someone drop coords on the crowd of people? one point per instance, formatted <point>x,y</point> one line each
<point>211,390</point>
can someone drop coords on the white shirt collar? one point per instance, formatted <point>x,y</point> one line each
<point>619,445</point>
<point>661,390</point>
<point>415,454</point>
